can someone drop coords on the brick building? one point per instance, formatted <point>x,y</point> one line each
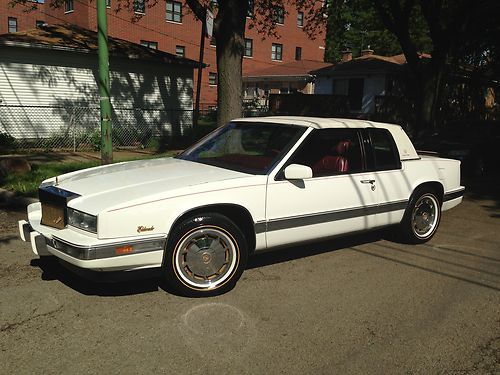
<point>171,27</point>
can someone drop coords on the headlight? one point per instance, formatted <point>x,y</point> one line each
<point>82,220</point>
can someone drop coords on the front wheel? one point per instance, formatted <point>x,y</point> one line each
<point>206,255</point>
<point>422,217</point>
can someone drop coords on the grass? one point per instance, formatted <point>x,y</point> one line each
<point>27,184</point>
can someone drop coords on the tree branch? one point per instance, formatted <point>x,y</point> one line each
<point>197,8</point>
<point>397,21</point>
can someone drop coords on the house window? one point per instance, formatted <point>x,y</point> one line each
<point>39,23</point>
<point>12,25</point>
<point>279,15</point>
<point>180,51</point>
<point>248,48</point>
<point>212,79</point>
<point>300,19</point>
<point>277,52</point>
<point>298,53</point>
<point>108,3</point>
<point>149,44</point>
<point>174,11</point>
<point>69,6</point>
<point>139,6</point>
<point>250,10</point>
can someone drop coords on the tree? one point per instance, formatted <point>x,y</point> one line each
<point>357,25</point>
<point>229,31</point>
<point>457,34</point>
<point>450,26</point>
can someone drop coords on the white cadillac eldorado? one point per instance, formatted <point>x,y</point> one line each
<point>251,185</point>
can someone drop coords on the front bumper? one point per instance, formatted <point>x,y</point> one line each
<point>86,252</point>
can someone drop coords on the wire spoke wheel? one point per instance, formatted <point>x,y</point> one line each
<point>425,216</point>
<point>421,218</point>
<point>206,257</point>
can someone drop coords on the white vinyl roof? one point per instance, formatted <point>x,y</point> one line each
<point>405,147</point>
<point>319,122</point>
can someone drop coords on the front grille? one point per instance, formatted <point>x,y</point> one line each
<point>54,202</point>
<point>53,215</point>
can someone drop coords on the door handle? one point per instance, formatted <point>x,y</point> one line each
<point>371,182</point>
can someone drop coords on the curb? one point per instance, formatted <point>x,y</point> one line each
<point>9,199</point>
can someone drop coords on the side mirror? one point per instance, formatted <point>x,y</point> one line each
<point>298,172</point>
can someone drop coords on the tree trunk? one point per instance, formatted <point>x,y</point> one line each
<point>230,36</point>
<point>430,92</point>
<point>229,87</point>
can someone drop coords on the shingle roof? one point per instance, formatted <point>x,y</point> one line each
<point>294,68</point>
<point>78,39</point>
<point>368,63</point>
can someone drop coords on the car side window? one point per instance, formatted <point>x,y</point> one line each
<point>330,152</point>
<point>385,152</point>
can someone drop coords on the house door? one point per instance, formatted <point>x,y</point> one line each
<point>355,93</point>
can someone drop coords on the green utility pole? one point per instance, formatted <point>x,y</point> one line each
<point>196,113</point>
<point>103,82</point>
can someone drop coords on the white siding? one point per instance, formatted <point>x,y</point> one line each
<point>63,85</point>
<point>32,77</point>
<point>323,85</point>
<point>374,85</point>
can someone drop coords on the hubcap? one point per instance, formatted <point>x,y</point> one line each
<point>205,258</point>
<point>425,216</point>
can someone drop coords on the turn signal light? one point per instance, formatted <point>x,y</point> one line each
<point>124,250</point>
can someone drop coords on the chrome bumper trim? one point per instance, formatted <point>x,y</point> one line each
<point>105,251</point>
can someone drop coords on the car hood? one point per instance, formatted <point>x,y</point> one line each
<point>111,186</point>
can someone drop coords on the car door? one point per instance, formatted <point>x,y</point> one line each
<point>392,184</point>
<point>339,198</point>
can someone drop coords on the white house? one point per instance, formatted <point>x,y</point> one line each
<point>48,86</point>
<point>362,80</point>
<point>284,78</point>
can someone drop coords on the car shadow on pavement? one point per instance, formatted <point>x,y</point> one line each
<point>53,269</point>
<point>486,279</point>
<point>147,281</point>
<point>288,253</point>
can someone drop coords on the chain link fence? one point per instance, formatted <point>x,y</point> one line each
<point>78,128</point>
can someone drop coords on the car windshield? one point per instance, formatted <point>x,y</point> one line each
<point>245,146</point>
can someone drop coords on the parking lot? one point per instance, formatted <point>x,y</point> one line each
<point>361,304</point>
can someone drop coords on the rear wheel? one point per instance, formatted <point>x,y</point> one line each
<point>206,255</point>
<point>422,217</point>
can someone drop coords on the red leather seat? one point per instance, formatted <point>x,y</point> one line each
<point>331,164</point>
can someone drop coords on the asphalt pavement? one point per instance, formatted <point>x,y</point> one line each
<point>357,305</point>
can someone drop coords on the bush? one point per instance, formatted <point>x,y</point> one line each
<point>7,142</point>
<point>95,140</point>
